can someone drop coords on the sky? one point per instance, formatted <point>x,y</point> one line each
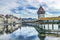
<point>29,8</point>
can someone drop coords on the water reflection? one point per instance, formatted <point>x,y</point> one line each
<point>5,37</point>
<point>26,33</point>
<point>52,38</point>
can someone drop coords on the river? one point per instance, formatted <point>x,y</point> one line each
<point>25,33</point>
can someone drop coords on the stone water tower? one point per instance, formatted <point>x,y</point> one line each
<point>41,12</point>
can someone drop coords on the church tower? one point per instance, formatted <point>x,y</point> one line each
<point>41,12</point>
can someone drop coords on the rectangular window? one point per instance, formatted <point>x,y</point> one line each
<point>14,23</point>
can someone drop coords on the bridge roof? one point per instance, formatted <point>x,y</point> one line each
<point>50,18</point>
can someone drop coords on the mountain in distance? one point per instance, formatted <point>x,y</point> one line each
<point>29,19</point>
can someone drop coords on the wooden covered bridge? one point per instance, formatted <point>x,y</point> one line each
<point>42,22</point>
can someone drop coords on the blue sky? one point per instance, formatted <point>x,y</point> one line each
<point>29,8</point>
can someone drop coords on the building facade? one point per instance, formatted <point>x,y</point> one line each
<point>1,22</point>
<point>9,23</point>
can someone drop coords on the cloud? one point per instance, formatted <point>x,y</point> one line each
<point>28,7</point>
<point>31,7</point>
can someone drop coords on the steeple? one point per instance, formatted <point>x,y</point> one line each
<point>41,10</point>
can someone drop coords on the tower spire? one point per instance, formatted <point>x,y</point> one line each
<point>41,12</point>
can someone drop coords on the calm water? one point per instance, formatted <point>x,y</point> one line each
<point>26,33</point>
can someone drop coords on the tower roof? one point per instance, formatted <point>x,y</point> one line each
<point>41,10</point>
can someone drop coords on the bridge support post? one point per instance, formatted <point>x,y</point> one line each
<point>48,27</point>
<point>44,26</point>
<point>53,25</point>
<point>44,29</point>
<point>48,24</point>
<point>58,29</point>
